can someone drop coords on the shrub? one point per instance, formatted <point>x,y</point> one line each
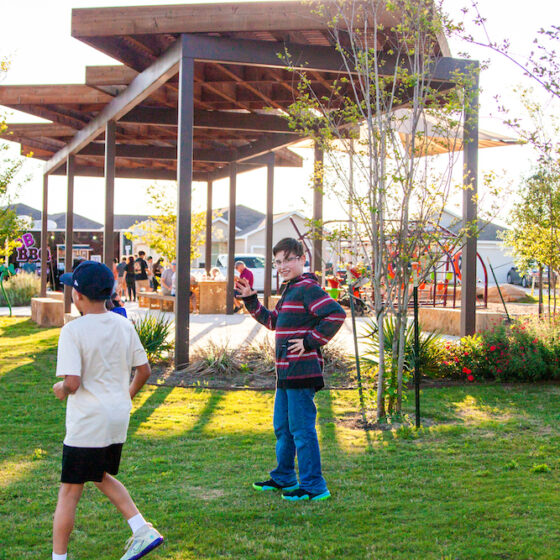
<point>20,288</point>
<point>216,359</point>
<point>526,350</point>
<point>153,331</point>
<point>431,348</point>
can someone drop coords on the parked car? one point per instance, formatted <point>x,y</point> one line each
<point>254,262</point>
<point>536,275</point>
<point>514,276</point>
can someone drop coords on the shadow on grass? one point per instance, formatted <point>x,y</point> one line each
<point>17,328</point>
<point>206,414</point>
<point>151,404</point>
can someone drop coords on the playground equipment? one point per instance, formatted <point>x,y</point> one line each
<point>439,287</point>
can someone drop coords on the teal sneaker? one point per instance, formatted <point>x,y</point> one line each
<point>301,494</point>
<point>143,541</point>
<point>272,485</point>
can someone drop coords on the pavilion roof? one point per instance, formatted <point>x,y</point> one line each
<point>238,106</point>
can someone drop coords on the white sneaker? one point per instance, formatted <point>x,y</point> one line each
<point>143,541</point>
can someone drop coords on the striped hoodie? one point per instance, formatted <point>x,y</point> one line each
<point>304,311</point>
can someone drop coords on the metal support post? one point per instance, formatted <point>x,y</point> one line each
<point>69,237</point>
<point>108,232</point>
<point>184,193</point>
<point>208,245</point>
<point>317,241</point>
<point>231,238</point>
<point>470,194</point>
<point>268,228</point>
<point>44,236</point>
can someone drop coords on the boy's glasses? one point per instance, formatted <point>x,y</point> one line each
<point>288,261</point>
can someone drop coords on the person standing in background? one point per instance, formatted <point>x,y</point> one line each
<point>130,279</point>
<point>150,271</point>
<point>121,269</point>
<point>157,270</point>
<point>141,272</point>
<point>167,279</point>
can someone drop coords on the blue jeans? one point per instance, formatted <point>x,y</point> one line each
<point>294,426</point>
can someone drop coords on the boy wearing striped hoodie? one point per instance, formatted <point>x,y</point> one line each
<point>304,319</point>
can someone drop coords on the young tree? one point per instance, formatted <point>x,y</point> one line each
<point>398,191</point>
<point>535,217</point>
<point>159,231</point>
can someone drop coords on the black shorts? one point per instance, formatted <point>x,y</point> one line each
<point>83,464</point>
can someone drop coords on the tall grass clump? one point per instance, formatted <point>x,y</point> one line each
<point>216,359</point>
<point>20,288</point>
<point>153,331</point>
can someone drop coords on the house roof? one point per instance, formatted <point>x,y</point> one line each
<point>488,230</point>
<point>260,224</point>
<point>126,221</point>
<point>244,216</point>
<point>122,221</point>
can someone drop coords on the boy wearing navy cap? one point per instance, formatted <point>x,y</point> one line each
<point>96,353</point>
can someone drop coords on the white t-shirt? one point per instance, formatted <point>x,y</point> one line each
<point>102,349</point>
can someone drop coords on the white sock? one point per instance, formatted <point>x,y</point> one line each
<point>136,522</point>
<point>56,556</point>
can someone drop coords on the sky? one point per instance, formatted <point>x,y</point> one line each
<point>36,38</point>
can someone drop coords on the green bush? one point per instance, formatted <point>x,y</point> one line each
<point>431,348</point>
<point>20,288</point>
<point>153,331</point>
<point>526,350</point>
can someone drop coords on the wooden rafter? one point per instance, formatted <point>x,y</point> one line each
<point>248,86</point>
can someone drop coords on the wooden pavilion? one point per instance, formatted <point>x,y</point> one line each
<point>198,97</point>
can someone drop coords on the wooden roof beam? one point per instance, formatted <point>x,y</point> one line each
<point>203,18</point>
<point>51,94</point>
<point>140,88</point>
<point>249,87</point>
<point>302,57</point>
<point>131,151</point>
<point>222,120</point>
<point>51,114</point>
<point>35,129</point>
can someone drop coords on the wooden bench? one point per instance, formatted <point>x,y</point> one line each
<point>152,300</point>
<point>47,312</point>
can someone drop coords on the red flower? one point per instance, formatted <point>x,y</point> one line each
<point>467,370</point>
<point>466,353</point>
<point>470,377</point>
<point>492,348</point>
<point>498,370</point>
<point>456,360</point>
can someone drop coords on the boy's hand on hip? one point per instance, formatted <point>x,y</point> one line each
<point>296,346</point>
<point>59,390</point>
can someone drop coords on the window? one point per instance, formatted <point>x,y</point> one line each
<point>252,262</point>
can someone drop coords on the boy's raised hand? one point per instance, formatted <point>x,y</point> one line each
<point>243,286</point>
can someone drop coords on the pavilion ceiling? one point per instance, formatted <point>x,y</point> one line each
<point>237,107</point>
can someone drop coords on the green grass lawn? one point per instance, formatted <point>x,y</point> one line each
<point>482,481</point>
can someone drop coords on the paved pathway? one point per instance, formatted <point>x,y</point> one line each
<point>236,330</point>
<point>233,329</point>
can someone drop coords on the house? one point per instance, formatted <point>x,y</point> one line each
<point>88,235</point>
<point>250,225</point>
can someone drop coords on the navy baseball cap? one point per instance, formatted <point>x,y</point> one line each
<point>92,279</point>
